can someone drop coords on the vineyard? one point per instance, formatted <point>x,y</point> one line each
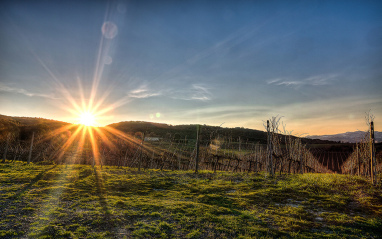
<point>71,181</point>
<point>274,152</point>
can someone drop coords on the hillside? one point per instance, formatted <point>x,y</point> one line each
<point>189,131</point>
<point>26,125</point>
<point>231,149</point>
<point>29,120</point>
<point>207,132</point>
<point>57,201</point>
<point>348,137</point>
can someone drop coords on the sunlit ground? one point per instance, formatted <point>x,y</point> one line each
<point>78,201</point>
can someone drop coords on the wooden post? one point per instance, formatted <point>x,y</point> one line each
<point>301,158</point>
<point>197,149</point>
<point>271,151</point>
<point>30,150</point>
<point>270,162</point>
<point>16,154</point>
<point>358,162</point>
<point>239,144</point>
<point>372,152</point>
<point>6,147</point>
<point>268,147</point>
<point>141,151</point>
<point>351,156</point>
<point>256,152</point>
<point>218,142</point>
<point>91,152</point>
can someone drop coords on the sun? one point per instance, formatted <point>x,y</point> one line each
<point>87,119</point>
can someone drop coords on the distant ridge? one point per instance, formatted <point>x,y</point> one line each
<point>348,137</point>
<point>207,132</point>
<point>151,129</point>
<point>189,131</point>
<point>24,120</point>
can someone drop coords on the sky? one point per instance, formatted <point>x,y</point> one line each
<point>315,64</point>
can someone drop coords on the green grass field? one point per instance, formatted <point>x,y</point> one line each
<point>74,201</point>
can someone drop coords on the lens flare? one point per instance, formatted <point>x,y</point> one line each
<point>109,30</point>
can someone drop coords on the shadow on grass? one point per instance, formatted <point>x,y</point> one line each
<point>21,191</point>
<point>108,221</point>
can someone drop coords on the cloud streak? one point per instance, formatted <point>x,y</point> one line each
<point>317,80</point>
<point>143,92</point>
<point>198,92</point>
<point>25,92</point>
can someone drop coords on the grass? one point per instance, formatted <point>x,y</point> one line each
<point>58,201</point>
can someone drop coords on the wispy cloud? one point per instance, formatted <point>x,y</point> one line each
<point>317,80</point>
<point>193,92</point>
<point>25,92</point>
<point>143,92</point>
<point>200,92</point>
<point>225,112</point>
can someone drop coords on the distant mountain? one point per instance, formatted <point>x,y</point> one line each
<point>348,137</point>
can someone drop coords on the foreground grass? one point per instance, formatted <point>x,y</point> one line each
<point>56,201</point>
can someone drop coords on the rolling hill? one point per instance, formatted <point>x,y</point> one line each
<point>26,125</point>
<point>348,137</point>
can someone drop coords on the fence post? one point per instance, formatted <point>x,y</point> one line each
<point>270,162</point>
<point>358,162</point>
<point>141,152</point>
<point>372,153</point>
<point>30,150</point>
<point>197,149</point>
<point>301,158</point>
<point>6,147</point>
<point>239,145</point>
<point>267,162</point>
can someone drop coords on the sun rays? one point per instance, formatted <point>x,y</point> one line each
<point>87,101</point>
<point>85,141</point>
<point>87,119</point>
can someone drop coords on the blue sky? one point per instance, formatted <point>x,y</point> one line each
<point>318,64</point>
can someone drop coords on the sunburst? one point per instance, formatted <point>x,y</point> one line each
<point>87,109</point>
<point>87,119</point>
